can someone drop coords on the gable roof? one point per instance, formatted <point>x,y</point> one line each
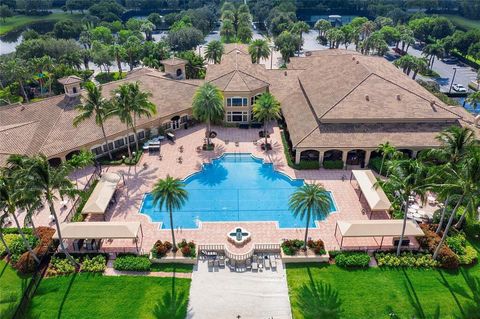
<point>70,79</point>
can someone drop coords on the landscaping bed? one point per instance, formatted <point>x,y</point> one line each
<point>292,251</point>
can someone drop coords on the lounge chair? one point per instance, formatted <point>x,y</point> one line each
<point>221,262</point>
<point>210,263</point>
<point>248,264</point>
<point>267,263</point>
<point>233,264</point>
<point>216,263</point>
<point>255,263</point>
<point>273,262</point>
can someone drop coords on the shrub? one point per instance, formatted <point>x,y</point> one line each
<point>14,230</point>
<point>109,77</point>
<point>457,243</point>
<point>304,164</point>
<point>132,263</point>
<point>406,259</point>
<point>352,259</point>
<point>60,266</point>
<point>290,159</point>
<point>334,253</point>
<point>291,246</point>
<point>334,164</point>
<point>472,228</point>
<point>161,249</point>
<point>375,164</point>
<point>317,246</point>
<point>95,264</point>
<point>469,257</point>
<point>188,249</point>
<point>430,241</point>
<point>16,245</point>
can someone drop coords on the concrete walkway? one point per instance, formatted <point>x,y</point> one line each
<point>226,294</point>
<point>110,271</point>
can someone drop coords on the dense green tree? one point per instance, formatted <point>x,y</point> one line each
<point>148,27</point>
<point>432,51</point>
<point>107,10</point>
<point>322,26</point>
<point>117,52</point>
<point>286,43</point>
<point>101,34</point>
<point>156,19</point>
<point>299,28</point>
<point>227,30</point>
<point>195,67</point>
<point>81,5</point>
<point>214,51</point>
<point>335,37</point>
<point>5,12</point>
<point>17,70</point>
<point>244,33</point>
<point>185,38</point>
<point>101,56</point>
<point>132,49</point>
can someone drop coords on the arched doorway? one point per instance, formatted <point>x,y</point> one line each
<point>175,122</point>
<point>179,72</point>
<point>55,162</point>
<point>356,157</point>
<point>70,155</point>
<point>310,155</point>
<point>332,155</point>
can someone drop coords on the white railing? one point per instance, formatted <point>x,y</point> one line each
<point>267,247</point>
<point>239,257</point>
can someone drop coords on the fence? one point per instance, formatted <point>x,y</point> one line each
<point>240,257</point>
<point>95,175</point>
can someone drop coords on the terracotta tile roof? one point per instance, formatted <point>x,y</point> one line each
<point>70,79</point>
<point>173,61</point>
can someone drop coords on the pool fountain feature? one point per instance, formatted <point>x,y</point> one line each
<point>238,236</point>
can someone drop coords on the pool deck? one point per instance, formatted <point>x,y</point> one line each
<point>140,179</point>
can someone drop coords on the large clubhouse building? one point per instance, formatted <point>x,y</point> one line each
<point>337,105</point>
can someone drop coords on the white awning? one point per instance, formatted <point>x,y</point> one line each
<point>98,201</point>
<point>378,228</point>
<point>99,230</point>
<point>375,196</point>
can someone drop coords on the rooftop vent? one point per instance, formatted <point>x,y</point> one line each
<point>432,103</point>
<point>285,73</point>
<point>367,97</point>
<point>353,58</point>
<point>398,97</point>
<point>358,62</point>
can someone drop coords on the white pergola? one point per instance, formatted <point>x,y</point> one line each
<point>101,196</point>
<point>376,228</point>
<point>376,198</point>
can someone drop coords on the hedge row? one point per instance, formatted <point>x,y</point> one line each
<point>333,164</point>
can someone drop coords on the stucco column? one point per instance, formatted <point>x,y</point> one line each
<point>320,157</point>
<point>344,158</point>
<point>414,153</point>
<point>368,153</point>
<point>297,156</point>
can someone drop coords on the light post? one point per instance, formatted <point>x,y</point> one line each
<point>453,79</point>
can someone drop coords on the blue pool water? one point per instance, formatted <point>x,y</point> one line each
<point>235,187</point>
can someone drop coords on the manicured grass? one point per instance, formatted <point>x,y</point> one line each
<point>184,268</point>
<point>11,289</point>
<point>376,293</point>
<point>462,22</point>
<point>19,21</point>
<point>96,296</point>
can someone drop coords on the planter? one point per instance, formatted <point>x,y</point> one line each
<point>172,258</point>
<point>304,257</point>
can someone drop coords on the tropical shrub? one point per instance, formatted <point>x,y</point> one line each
<point>375,164</point>
<point>469,257</point>
<point>334,253</point>
<point>60,266</point>
<point>187,249</point>
<point>132,263</point>
<point>446,257</point>
<point>105,77</point>
<point>291,246</point>
<point>335,164</point>
<point>95,264</point>
<point>406,259</point>
<point>304,164</point>
<point>14,230</point>
<point>472,228</point>
<point>457,243</point>
<point>317,246</point>
<point>160,248</point>
<point>16,245</point>
<point>352,259</point>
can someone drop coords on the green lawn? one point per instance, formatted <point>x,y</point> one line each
<point>19,21</point>
<point>95,296</point>
<point>172,267</point>
<point>11,289</point>
<point>463,23</point>
<point>376,293</point>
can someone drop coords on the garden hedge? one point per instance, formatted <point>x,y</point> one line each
<point>336,164</point>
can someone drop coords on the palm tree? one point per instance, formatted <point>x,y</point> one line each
<point>299,28</point>
<point>387,150</point>
<point>208,106</point>
<point>464,180</point>
<point>258,50</point>
<point>266,109</point>
<point>128,104</point>
<point>118,52</point>
<point>454,144</point>
<point>148,27</point>
<point>419,65</point>
<point>81,160</point>
<point>474,99</point>
<point>93,104</point>
<point>171,194</point>
<point>18,70</point>
<point>50,181</point>
<point>322,26</point>
<point>367,28</point>
<point>433,50</point>
<point>227,30</point>
<point>214,51</point>
<point>408,177</point>
<point>310,201</point>
<point>11,186</point>
<point>3,215</point>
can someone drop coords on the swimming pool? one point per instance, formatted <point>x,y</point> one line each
<point>234,187</point>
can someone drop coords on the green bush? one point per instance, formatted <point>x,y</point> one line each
<point>469,257</point>
<point>375,164</point>
<point>291,246</point>
<point>187,249</point>
<point>132,263</point>
<point>14,230</point>
<point>457,243</point>
<point>317,246</point>
<point>352,259</point>
<point>105,77</point>
<point>160,249</point>
<point>334,253</point>
<point>60,266</point>
<point>335,164</point>
<point>291,161</point>
<point>472,228</point>
<point>16,245</point>
<point>304,164</point>
<point>406,259</point>
<point>95,264</point>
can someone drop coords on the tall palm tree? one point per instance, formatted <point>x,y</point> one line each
<point>454,144</point>
<point>81,160</point>
<point>310,201</point>
<point>299,28</point>
<point>227,30</point>
<point>322,26</point>
<point>129,103</point>
<point>258,50</point>
<point>214,51</point>
<point>387,150</point>
<point>118,52</point>
<point>208,106</point>
<point>50,181</point>
<point>419,65</point>
<point>171,194</point>
<point>432,51</point>
<point>10,192</point>
<point>408,177</point>
<point>93,104</point>
<point>266,109</point>
<point>465,180</point>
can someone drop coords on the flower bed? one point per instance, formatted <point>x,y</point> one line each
<point>187,249</point>
<point>406,259</point>
<point>352,259</point>
<point>446,257</point>
<point>129,262</point>
<point>317,246</point>
<point>160,249</point>
<point>291,246</point>
<point>60,265</point>
<point>95,264</point>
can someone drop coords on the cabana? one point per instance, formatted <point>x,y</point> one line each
<point>375,196</point>
<point>101,230</point>
<point>377,228</point>
<point>101,196</point>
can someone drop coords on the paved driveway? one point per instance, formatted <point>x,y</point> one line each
<point>225,294</point>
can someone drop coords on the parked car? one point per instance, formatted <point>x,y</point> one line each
<point>459,88</point>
